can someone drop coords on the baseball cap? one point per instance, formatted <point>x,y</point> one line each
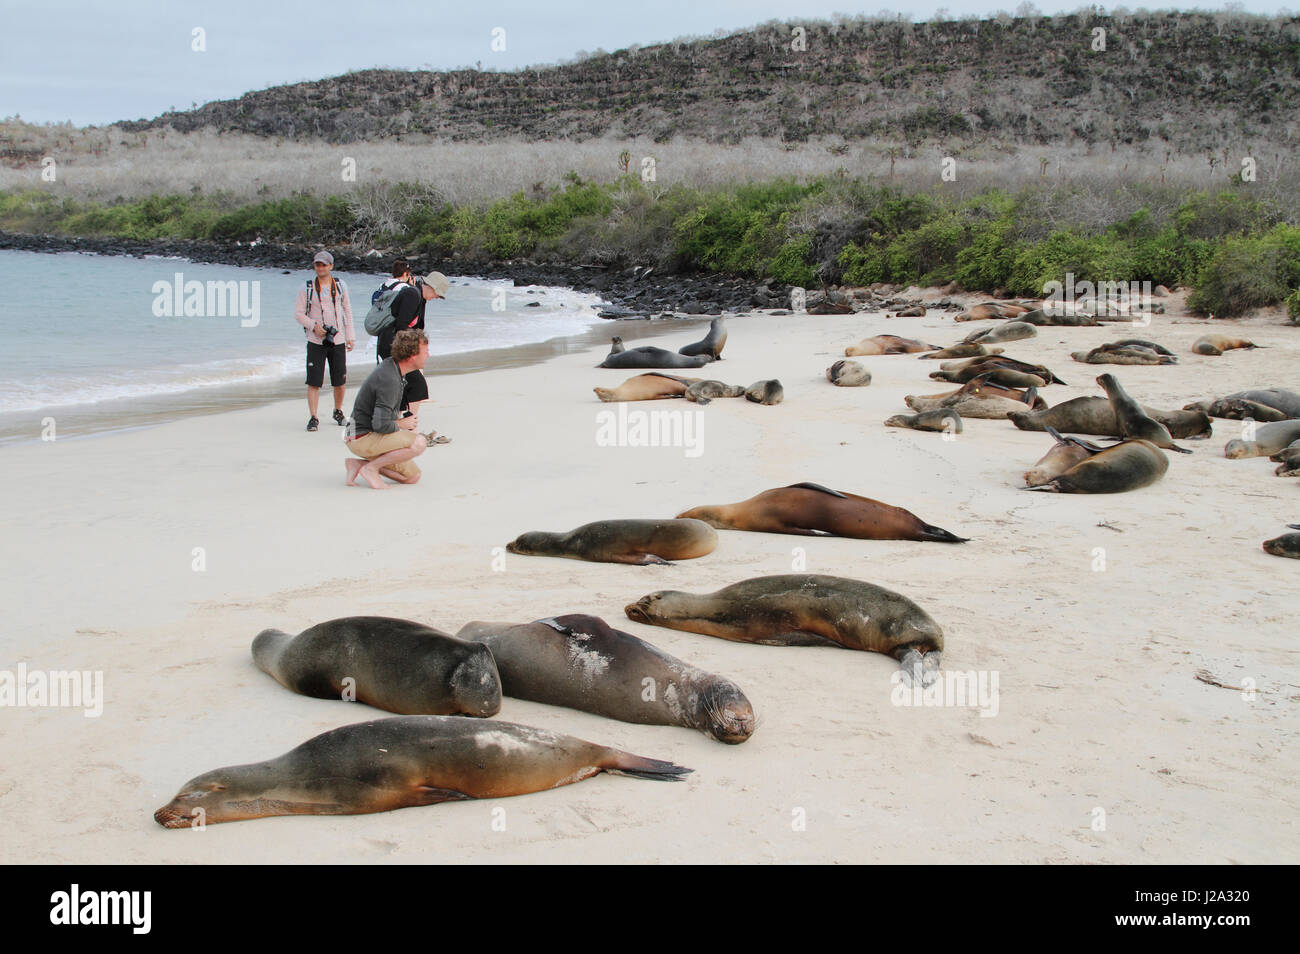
<point>325,257</point>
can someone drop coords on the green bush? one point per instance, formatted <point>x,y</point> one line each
<point>1249,273</point>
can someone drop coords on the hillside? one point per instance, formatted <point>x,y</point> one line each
<point>1184,81</point>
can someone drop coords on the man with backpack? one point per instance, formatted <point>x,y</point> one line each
<point>325,312</point>
<point>398,305</point>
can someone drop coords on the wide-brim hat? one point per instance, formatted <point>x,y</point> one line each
<point>438,281</point>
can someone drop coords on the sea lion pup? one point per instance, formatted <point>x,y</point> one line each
<point>848,374</point>
<point>1287,545</point>
<point>393,664</point>
<point>1065,453</point>
<point>991,309</point>
<point>647,387</point>
<point>962,350</point>
<point>399,763</point>
<point>649,357</point>
<point>944,419</point>
<point>1040,317</point>
<point>1217,344</point>
<point>765,392</point>
<point>712,343</point>
<point>1135,423</point>
<point>804,609</point>
<point>638,542</point>
<point>583,663</point>
<point>703,392</point>
<point>981,399</point>
<point>1124,467</point>
<point>1095,416</point>
<point>1122,354</point>
<point>1288,460</point>
<point>812,510</point>
<point>1279,400</point>
<point>888,344</point>
<point>1007,331</point>
<point>1269,439</point>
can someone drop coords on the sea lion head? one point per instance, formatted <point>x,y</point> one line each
<point>653,606</point>
<point>221,795</point>
<point>532,542</point>
<point>1237,449</point>
<point>725,713</point>
<point>476,684</point>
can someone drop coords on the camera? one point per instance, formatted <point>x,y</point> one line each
<point>327,339</point>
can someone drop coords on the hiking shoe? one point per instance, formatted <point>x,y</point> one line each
<point>313,424</point>
<point>338,417</point>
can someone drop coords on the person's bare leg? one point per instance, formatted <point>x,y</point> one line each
<point>338,398</point>
<point>369,471</point>
<point>313,400</point>
<point>353,466</point>
<point>398,476</point>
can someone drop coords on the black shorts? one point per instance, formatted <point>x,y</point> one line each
<point>337,356</point>
<point>417,388</point>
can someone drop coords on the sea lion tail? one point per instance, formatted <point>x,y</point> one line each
<point>625,763</point>
<point>940,535</point>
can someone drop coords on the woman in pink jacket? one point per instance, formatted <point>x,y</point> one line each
<point>325,313</point>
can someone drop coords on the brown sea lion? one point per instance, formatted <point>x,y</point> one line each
<point>712,343</point>
<point>1269,439</point>
<point>804,609</point>
<point>979,398</point>
<point>1278,401</point>
<point>1007,331</point>
<point>991,309</point>
<point>638,542</point>
<point>848,374</point>
<point>888,344</point>
<point>811,510</point>
<point>1096,417</point>
<point>1134,423</point>
<point>703,392</point>
<point>1217,344</point>
<point>392,664</point>
<point>1287,545</point>
<point>765,392</point>
<point>1065,453</point>
<point>999,369</point>
<point>1239,409</point>
<point>1124,467</point>
<point>583,663</point>
<point>963,350</point>
<point>646,387</point>
<point>1122,354</point>
<point>399,763</point>
<point>1058,318</point>
<point>1288,461</point>
<point>944,419</point>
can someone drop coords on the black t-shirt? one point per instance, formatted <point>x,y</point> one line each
<point>408,312</point>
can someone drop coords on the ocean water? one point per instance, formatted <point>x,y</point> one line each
<point>104,342</point>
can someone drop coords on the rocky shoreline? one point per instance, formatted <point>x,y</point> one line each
<point>636,292</point>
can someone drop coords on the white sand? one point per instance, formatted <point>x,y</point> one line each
<point>1098,704</point>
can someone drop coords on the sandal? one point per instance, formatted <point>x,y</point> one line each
<point>433,437</point>
<point>338,417</point>
<point>313,424</point>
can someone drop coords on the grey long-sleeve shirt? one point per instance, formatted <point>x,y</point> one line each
<point>375,408</point>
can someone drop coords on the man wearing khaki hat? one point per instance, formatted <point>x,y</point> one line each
<point>408,314</point>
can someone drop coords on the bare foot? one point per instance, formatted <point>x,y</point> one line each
<point>371,476</point>
<point>353,466</point>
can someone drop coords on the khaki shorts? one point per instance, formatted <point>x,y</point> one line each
<point>372,445</point>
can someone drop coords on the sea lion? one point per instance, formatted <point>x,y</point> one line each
<point>991,309</point>
<point>804,609</point>
<point>1095,416</point>
<point>1287,545</point>
<point>765,392</point>
<point>945,419</point>
<point>616,345</point>
<point>1269,439</point>
<point>1247,404</point>
<point>638,542</point>
<point>703,392</point>
<point>648,357</point>
<point>911,311</point>
<point>848,374</point>
<point>1065,453</point>
<point>963,350</point>
<point>1288,461</point>
<point>1140,343</point>
<point>1124,467</point>
<point>1007,331</point>
<point>646,387</point>
<point>999,369</point>
<point>583,663</point>
<point>711,344</point>
<point>398,763</point>
<point>393,664</point>
<point>979,398</point>
<point>812,510</point>
<point>1058,318</point>
<point>1217,344</point>
<point>1122,354</point>
<point>1135,423</point>
<point>888,344</point>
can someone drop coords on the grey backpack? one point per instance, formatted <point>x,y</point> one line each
<point>380,315</point>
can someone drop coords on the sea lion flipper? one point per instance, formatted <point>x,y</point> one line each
<point>806,485</point>
<point>636,766</point>
<point>1180,450</point>
<point>939,535</point>
<point>649,559</point>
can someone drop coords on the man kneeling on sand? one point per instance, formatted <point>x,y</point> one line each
<point>387,440</point>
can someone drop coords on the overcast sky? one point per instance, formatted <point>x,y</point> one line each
<point>96,62</point>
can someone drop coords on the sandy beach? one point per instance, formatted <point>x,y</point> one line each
<point>1099,714</point>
